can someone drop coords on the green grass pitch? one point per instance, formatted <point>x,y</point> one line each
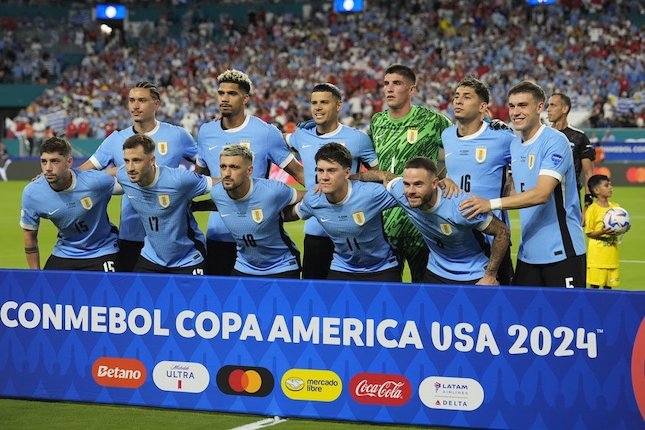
<point>36,415</point>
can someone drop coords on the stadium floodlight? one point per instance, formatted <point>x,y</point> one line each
<point>110,12</point>
<point>348,6</point>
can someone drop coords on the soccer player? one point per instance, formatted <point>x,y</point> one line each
<point>552,246</point>
<point>458,249</point>
<point>161,197</point>
<point>76,202</point>
<point>557,111</point>
<point>251,209</point>
<point>172,144</point>
<point>326,103</point>
<point>236,127</point>
<point>402,132</point>
<point>350,213</point>
<point>478,157</point>
<point>603,266</point>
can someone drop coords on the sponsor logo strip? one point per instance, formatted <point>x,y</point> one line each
<point>380,389</point>
<point>181,376</point>
<point>119,372</point>
<point>311,384</point>
<point>456,394</point>
<point>245,381</point>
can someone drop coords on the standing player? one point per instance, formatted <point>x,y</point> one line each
<point>326,103</point>
<point>350,213</point>
<point>552,247</point>
<point>172,144</point>
<point>236,127</point>
<point>161,197</point>
<point>251,208</point>
<point>402,132</point>
<point>478,157</point>
<point>584,154</point>
<point>76,202</point>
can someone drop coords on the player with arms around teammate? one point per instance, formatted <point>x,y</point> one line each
<point>552,247</point>
<point>161,197</point>
<point>172,143</point>
<point>251,208</point>
<point>350,213</point>
<point>400,133</point>
<point>76,202</point>
<point>236,127</point>
<point>326,103</point>
<point>477,157</point>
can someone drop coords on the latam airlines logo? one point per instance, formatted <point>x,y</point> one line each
<point>380,389</point>
<point>119,372</point>
<point>456,394</point>
<point>245,381</point>
<point>309,384</point>
<point>181,376</point>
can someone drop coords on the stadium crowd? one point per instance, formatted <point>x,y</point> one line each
<point>588,48</point>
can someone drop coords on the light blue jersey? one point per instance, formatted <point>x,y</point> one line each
<point>173,238</point>
<point>355,225</point>
<point>457,246</point>
<point>255,221</point>
<point>551,232</point>
<point>478,163</point>
<point>172,143</point>
<point>79,213</point>
<point>308,142</point>
<point>263,139</point>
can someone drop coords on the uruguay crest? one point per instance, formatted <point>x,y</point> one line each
<point>162,147</point>
<point>531,160</point>
<point>164,200</point>
<point>446,229</point>
<point>257,215</point>
<point>480,154</point>
<point>412,135</point>
<point>87,203</point>
<point>359,218</point>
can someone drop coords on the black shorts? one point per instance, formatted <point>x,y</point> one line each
<point>319,251</point>
<point>129,252</point>
<point>292,274</point>
<point>505,272</point>
<point>431,278</point>
<point>388,275</point>
<point>145,266</point>
<point>220,257</point>
<point>570,273</point>
<point>105,263</point>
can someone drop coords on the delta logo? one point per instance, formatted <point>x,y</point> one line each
<point>455,394</point>
<point>380,389</point>
<point>181,376</point>
<point>245,381</point>
<point>119,372</point>
<point>311,385</point>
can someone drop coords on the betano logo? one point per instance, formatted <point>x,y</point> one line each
<point>119,372</point>
<point>456,394</point>
<point>309,384</point>
<point>380,389</point>
<point>181,376</point>
<point>245,381</point>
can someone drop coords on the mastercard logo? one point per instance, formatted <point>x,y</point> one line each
<point>245,381</point>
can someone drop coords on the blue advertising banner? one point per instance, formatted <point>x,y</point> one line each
<point>624,151</point>
<point>390,353</point>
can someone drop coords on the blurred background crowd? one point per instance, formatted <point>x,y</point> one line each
<point>590,49</point>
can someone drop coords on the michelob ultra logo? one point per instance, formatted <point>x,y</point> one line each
<point>245,381</point>
<point>311,384</point>
<point>181,376</point>
<point>119,372</point>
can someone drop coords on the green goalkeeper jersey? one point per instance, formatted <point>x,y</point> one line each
<point>398,140</point>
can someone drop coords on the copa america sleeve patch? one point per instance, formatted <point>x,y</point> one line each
<point>557,159</point>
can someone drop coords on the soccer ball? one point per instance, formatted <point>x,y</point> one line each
<point>617,219</point>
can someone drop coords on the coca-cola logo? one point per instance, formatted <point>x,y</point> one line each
<point>380,389</point>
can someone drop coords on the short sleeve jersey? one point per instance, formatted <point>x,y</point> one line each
<point>601,254</point>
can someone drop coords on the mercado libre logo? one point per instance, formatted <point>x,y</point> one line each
<point>310,384</point>
<point>245,381</point>
<point>456,394</point>
<point>119,372</point>
<point>181,376</point>
<point>380,389</point>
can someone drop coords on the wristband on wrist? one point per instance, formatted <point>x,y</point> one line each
<point>495,204</point>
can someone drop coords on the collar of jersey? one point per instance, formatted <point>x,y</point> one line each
<point>73,184</point>
<point>476,134</point>
<point>240,127</point>
<point>404,117</point>
<point>535,136</point>
<point>151,132</point>
<point>248,194</point>
<point>333,132</point>
<point>154,181</point>
<point>347,196</point>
